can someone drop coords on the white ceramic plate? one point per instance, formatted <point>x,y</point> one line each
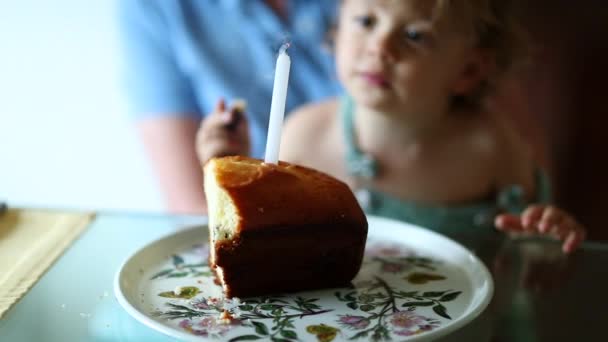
<point>414,285</point>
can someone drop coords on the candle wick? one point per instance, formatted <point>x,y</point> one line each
<point>284,47</point>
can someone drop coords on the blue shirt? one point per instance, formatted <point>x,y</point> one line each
<point>182,56</point>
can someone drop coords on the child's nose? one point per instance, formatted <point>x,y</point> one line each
<point>382,45</point>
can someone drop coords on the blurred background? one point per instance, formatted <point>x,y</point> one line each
<point>65,137</point>
<point>561,95</point>
<point>67,141</point>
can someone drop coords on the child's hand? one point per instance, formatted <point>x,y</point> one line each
<point>223,133</point>
<point>545,220</point>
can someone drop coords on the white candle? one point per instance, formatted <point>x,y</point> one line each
<point>277,107</point>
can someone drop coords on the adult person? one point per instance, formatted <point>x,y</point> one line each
<point>181,56</point>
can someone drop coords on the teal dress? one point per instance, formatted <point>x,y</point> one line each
<point>477,216</point>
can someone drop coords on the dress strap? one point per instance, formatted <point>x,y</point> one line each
<point>358,163</point>
<point>512,199</point>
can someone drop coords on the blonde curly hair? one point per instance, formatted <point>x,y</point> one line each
<point>493,24</point>
<point>494,28</point>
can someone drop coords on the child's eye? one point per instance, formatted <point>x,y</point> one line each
<point>365,21</point>
<point>414,35</point>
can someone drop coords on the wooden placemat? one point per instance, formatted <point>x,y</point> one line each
<point>30,241</point>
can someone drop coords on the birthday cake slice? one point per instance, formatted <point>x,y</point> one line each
<point>280,228</point>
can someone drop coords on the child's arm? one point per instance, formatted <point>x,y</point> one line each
<point>545,220</point>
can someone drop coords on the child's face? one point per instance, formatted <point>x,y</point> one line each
<point>391,54</point>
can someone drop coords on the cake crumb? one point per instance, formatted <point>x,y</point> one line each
<point>260,209</point>
<point>226,317</point>
<point>231,304</point>
<point>108,325</point>
<point>63,306</point>
<point>85,315</point>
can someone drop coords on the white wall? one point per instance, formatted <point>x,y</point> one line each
<point>65,136</point>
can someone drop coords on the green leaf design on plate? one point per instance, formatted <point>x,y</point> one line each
<point>178,275</point>
<point>289,334</point>
<point>178,261</point>
<point>353,305</point>
<point>419,278</point>
<point>161,274</point>
<point>246,307</point>
<point>415,304</point>
<point>366,298</point>
<point>434,294</point>
<point>367,307</point>
<point>450,296</point>
<point>268,307</point>
<point>260,328</point>
<point>441,311</point>
<point>185,292</point>
<point>277,312</point>
<point>360,335</point>
<point>245,338</point>
<point>350,296</point>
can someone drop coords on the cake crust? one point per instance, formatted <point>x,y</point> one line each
<point>295,228</point>
<point>254,188</point>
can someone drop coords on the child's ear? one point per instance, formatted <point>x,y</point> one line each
<point>476,71</point>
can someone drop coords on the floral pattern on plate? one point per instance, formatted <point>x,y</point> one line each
<point>397,294</point>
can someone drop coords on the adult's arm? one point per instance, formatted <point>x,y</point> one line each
<point>163,104</point>
<point>170,144</point>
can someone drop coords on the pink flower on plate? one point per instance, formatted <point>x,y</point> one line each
<point>208,322</point>
<point>187,325</point>
<point>427,327</point>
<point>387,250</point>
<point>201,304</point>
<point>208,325</point>
<point>414,331</point>
<point>406,319</point>
<point>410,324</point>
<point>395,267</point>
<point>407,332</point>
<point>354,322</point>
